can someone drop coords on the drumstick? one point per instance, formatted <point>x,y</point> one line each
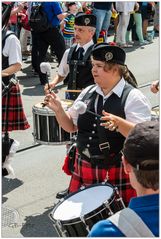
<point>77,91</point>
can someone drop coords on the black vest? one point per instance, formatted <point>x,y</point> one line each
<point>80,71</point>
<point>5,63</point>
<point>91,134</point>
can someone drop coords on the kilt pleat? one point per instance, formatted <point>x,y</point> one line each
<point>15,117</point>
<point>86,174</point>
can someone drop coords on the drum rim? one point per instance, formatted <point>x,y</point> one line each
<point>51,143</point>
<point>89,214</point>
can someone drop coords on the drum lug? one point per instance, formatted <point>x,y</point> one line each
<point>83,220</point>
<point>119,198</point>
<point>82,187</point>
<point>59,225</point>
<point>106,203</point>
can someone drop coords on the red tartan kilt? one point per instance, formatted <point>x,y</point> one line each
<point>86,174</point>
<point>16,116</point>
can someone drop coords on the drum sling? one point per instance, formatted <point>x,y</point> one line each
<point>130,224</point>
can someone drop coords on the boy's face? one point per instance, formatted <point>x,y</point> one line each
<point>73,7</point>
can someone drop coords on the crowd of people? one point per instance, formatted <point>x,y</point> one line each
<point>117,116</point>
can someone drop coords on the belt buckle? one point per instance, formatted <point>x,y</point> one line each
<point>104,146</point>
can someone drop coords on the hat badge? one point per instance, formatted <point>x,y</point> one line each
<point>86,21</point>
<point>108,56</point>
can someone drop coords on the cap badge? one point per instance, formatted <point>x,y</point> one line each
<point>108,56</point>
<point>86,21</point>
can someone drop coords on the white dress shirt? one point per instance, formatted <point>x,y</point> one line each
<point>137,106</point>
<point>63,69</point>
<point>12,50</point>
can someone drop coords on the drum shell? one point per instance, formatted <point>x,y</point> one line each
<point>46,128</point>
<point>79,227</point>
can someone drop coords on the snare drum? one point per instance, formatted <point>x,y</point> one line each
<point>45,126</point>
<point>78,212</point>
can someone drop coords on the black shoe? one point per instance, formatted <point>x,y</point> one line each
<point>62,194</point>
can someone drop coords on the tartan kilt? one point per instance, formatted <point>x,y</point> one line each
<point>16,116</point>
<point>86,174</point>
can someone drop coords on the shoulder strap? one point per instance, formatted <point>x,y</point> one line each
<point>88,95</point>
<point>87,54</point>
<point>130,224</point>
<point>5,36</point>
<point>72,49</point>
<point>126,92</point>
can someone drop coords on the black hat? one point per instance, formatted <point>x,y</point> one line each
<point>108,53</point>
<point>141,148</point>
<point>88,20</point>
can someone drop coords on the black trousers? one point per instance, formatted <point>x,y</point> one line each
<point>53,38</point>
<point>34,54</point>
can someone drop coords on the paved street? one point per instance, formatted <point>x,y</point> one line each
<point>30,196</point>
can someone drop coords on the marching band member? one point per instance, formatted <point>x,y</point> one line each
<point>75,64</point>
<point>98,156</point>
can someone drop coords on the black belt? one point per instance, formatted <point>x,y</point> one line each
<point>101,161</point>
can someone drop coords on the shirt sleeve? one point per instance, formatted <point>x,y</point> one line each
<point>137,107</point>
<point>105,228</point>
<point>12,50</point>
<point>57,8</point>
<point>63,69</point>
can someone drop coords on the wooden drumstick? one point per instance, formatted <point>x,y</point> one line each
<point>74,91</point>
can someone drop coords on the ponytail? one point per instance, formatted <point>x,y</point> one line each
<point>129,77</point>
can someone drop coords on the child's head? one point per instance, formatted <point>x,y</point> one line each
<point>71,6</point>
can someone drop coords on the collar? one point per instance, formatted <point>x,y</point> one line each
<point>86,46</point>
<point>118,89</point>
<point>146,201</point>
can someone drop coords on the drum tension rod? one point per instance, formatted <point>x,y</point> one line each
<point>106,203</point>
<point>86,225</point>
<point>60,226</point>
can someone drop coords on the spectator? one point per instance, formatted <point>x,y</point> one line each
<point>124,9</point>
<point>52,37</point>
<point>67,24</point>
<point>102,10</point>
<point>141,162</point>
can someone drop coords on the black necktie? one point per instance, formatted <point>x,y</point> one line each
<point>100,105</point>
<point>80,53</point>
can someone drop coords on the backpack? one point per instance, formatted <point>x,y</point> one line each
<point>38,19</point>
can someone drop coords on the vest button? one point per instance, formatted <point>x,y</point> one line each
<point>90,138</point>
<point>94,125</point>
<point>88,145</point>
<point>93,132</point>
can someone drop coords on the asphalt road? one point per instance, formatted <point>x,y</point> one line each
<point>29,197</point>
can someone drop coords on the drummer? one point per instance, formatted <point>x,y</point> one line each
<point>99,150</point>
<point>73,66</point>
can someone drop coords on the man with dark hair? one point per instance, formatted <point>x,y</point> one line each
<point>141,162</point>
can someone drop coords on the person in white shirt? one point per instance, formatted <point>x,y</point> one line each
<point>124,9</point>
<point>76,62</point>
<point>98,156</point>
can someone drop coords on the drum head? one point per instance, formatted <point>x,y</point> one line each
<point>83,202</point>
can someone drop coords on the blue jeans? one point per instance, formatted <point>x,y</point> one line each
<point>103,20</point>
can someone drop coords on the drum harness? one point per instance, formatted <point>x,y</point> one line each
<point>130,224</point>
